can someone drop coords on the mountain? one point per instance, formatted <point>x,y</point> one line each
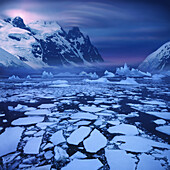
<point>42,44</point>
<point>158,60</point>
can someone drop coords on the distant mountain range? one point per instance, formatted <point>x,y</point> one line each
<point>157,61</point>
<point>42,44</point>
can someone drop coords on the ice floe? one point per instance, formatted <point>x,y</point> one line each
<point>59,85</point>
<point>9,140</point>
<point>57,137</point>
<point>20,108</point>
<point>83,164</point>
<point>119,160</point>
<point>48,155</point>
<point>147,162</point>
<point>100,80</point>
<point>157,77</point>
<point>60,153</point>
<point>27,120</point>
<point>46,106</point>
<point>82,115</point>
<point>38,112</point>
<point>33,145</point>
<point>95,141</point>
<point>65,74</point>
<point>114,122</point>
<point>159,121</point>
<point>45,167</point>
<point>43,125</point>
<point>125,129</point>
<point>78,135</point>
<point>154,102</point>
<point>91,109</point>
<point>128,81</point>
<point>78,155</point>
<point>163,115</point>
<point>49,145</point>
<point>164,129</point>
<point>137,143</point>
<point>83,122</point>
<point>9,157</point>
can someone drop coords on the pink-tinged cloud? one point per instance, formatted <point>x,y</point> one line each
<point>27,16</point>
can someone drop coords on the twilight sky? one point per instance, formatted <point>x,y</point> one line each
<point>122,30</point>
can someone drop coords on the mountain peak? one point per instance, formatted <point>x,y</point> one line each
<point>18,22</point>
<point>74,33</point>
<point>75,29</point>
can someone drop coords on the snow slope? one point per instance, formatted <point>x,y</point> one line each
<point>19,42</point>
<point>8,60</point>
<point>158,60</point>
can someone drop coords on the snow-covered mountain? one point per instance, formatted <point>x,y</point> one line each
<point>43,44</point>
<point>158,60</point>
<point>8,60</point>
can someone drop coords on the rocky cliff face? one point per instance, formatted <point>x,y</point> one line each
<point>42,44</point>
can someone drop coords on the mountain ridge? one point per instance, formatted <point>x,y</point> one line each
<point>45,43</point>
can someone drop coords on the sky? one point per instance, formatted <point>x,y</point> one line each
<point>122,30</point>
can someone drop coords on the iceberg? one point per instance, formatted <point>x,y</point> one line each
<point>93,75</point>
<point>13,77</point>
<point>108,74</point>
<point>47,75</point>
<point>28,77</point>
<point>83,73</point>
<point>127,72</point>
